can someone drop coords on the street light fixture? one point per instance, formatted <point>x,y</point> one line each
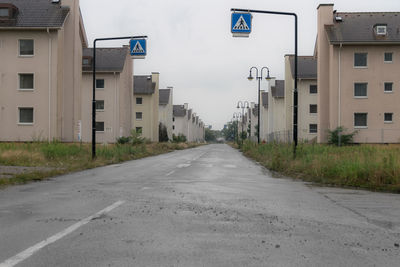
<point>259,78</point>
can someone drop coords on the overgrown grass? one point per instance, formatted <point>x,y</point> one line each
<point>373,167</point>
<point>58,158</point>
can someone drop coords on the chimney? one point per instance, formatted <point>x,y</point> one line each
<point>186,105</point>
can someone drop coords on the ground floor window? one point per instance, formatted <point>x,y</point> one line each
<point>25,115</point>
<point>139,130</point>
<point>139,115</point>
<point>99,126</point>
<point>360,120</point>
<point>388,118</point>
<point>313,128</point>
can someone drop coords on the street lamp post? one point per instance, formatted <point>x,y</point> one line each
<point>259,78</point>
<point>242,105</point>
<point>237,116</point>
<point>94,85</point>
<point>295,93</point>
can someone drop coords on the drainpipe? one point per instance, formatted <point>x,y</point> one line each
<point>50,72</point>
<point>339,95</point>
<point>116,111</point>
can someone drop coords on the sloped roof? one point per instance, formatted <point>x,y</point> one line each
<point>264,97</point>
<point>279,89</point>
<point>107,59</point>
<point>143,84</point>
<point>36,14</point>
<point>179,110</point>
<point>359,27</point>
<point>306,67</point>
<point>164,96</point>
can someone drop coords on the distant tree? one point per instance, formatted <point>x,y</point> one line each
<point>229,132</point>
<point>210,135</point>
<point>162,133</point>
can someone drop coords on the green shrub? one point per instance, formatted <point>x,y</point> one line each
<point>179,139</point>
<point>123,140</point>
<point>345,139</point>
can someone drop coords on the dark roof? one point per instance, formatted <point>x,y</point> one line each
<point>279,89</point>
<point>142,84</point>
<point>35,14</point>
<point>264,97</point>
<point>306,67</point>
<point>255,110</point>
<point>360,27</point>
<point>164,96</point>
<point>179,110</point>
<point>107,59</point>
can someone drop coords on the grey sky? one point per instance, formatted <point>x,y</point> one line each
<point>191,45</point>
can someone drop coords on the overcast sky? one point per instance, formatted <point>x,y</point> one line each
<point>191,46</point>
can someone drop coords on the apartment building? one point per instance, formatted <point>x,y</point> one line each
<point>145,105</point>
<point>358,74</point>
<point>307,96</point>
<point>187,123</point>
<point>40,86</point>
<point>264,117</point>
<point>165,110</point>
<point>114,96</point>
<point>277,113</point>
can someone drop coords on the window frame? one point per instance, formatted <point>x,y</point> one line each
<point>309,89</point>
<point>384,118</point>
<point>309,128</point>
<point>8,13</point>
<point>384,57</point>
<point>141,100</point>
<point>141,116</point>
<point>354,120</point>
<point>104,84</point>
<point>384,88</point>
<point>354,90</point>
<point>100,110</point>
<point>19,47</point>
<point>104,126</point>
<point>19,81</point>
<point>19,116</point>
<point>354,60</point>
<point>309,109</point>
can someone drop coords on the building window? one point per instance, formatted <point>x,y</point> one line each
<point>85,61</point>
<point>25,115</point>
<point>173,118</point>
<point>360,90</point>
<point>99,83</point>
<point>139,115</point>
<point>313,128</point>
<point>99,105</point>
<point>360,60</point>
<point>99,126</point>
<point>388,57</point>
<point>388,118</point>
<point>313,109</point>
<point>26,81</point>
<point>173,127</point>
<point>139,100</point>
<point>360,120</point>
<point>26,47</point>
<point>313,89</point>
<point>139,130</point>
<point>388,87</point>
<point>4,12</point>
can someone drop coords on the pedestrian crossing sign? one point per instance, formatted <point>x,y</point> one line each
<point>138,48</point>
<point>241,24</point>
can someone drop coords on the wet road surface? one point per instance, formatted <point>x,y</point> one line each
<point>207,206</point>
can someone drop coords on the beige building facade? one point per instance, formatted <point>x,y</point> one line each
<point>358,74</point>
<point>165,110</point>
<point>41,83</point>
<point>114,95</point>
<point>145,105</point>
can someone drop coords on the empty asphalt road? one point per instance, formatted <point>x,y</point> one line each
<point>208,206</point>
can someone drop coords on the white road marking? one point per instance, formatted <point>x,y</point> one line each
<point>183,165</point>
<point>35,248</point>
<point>171,172</point>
